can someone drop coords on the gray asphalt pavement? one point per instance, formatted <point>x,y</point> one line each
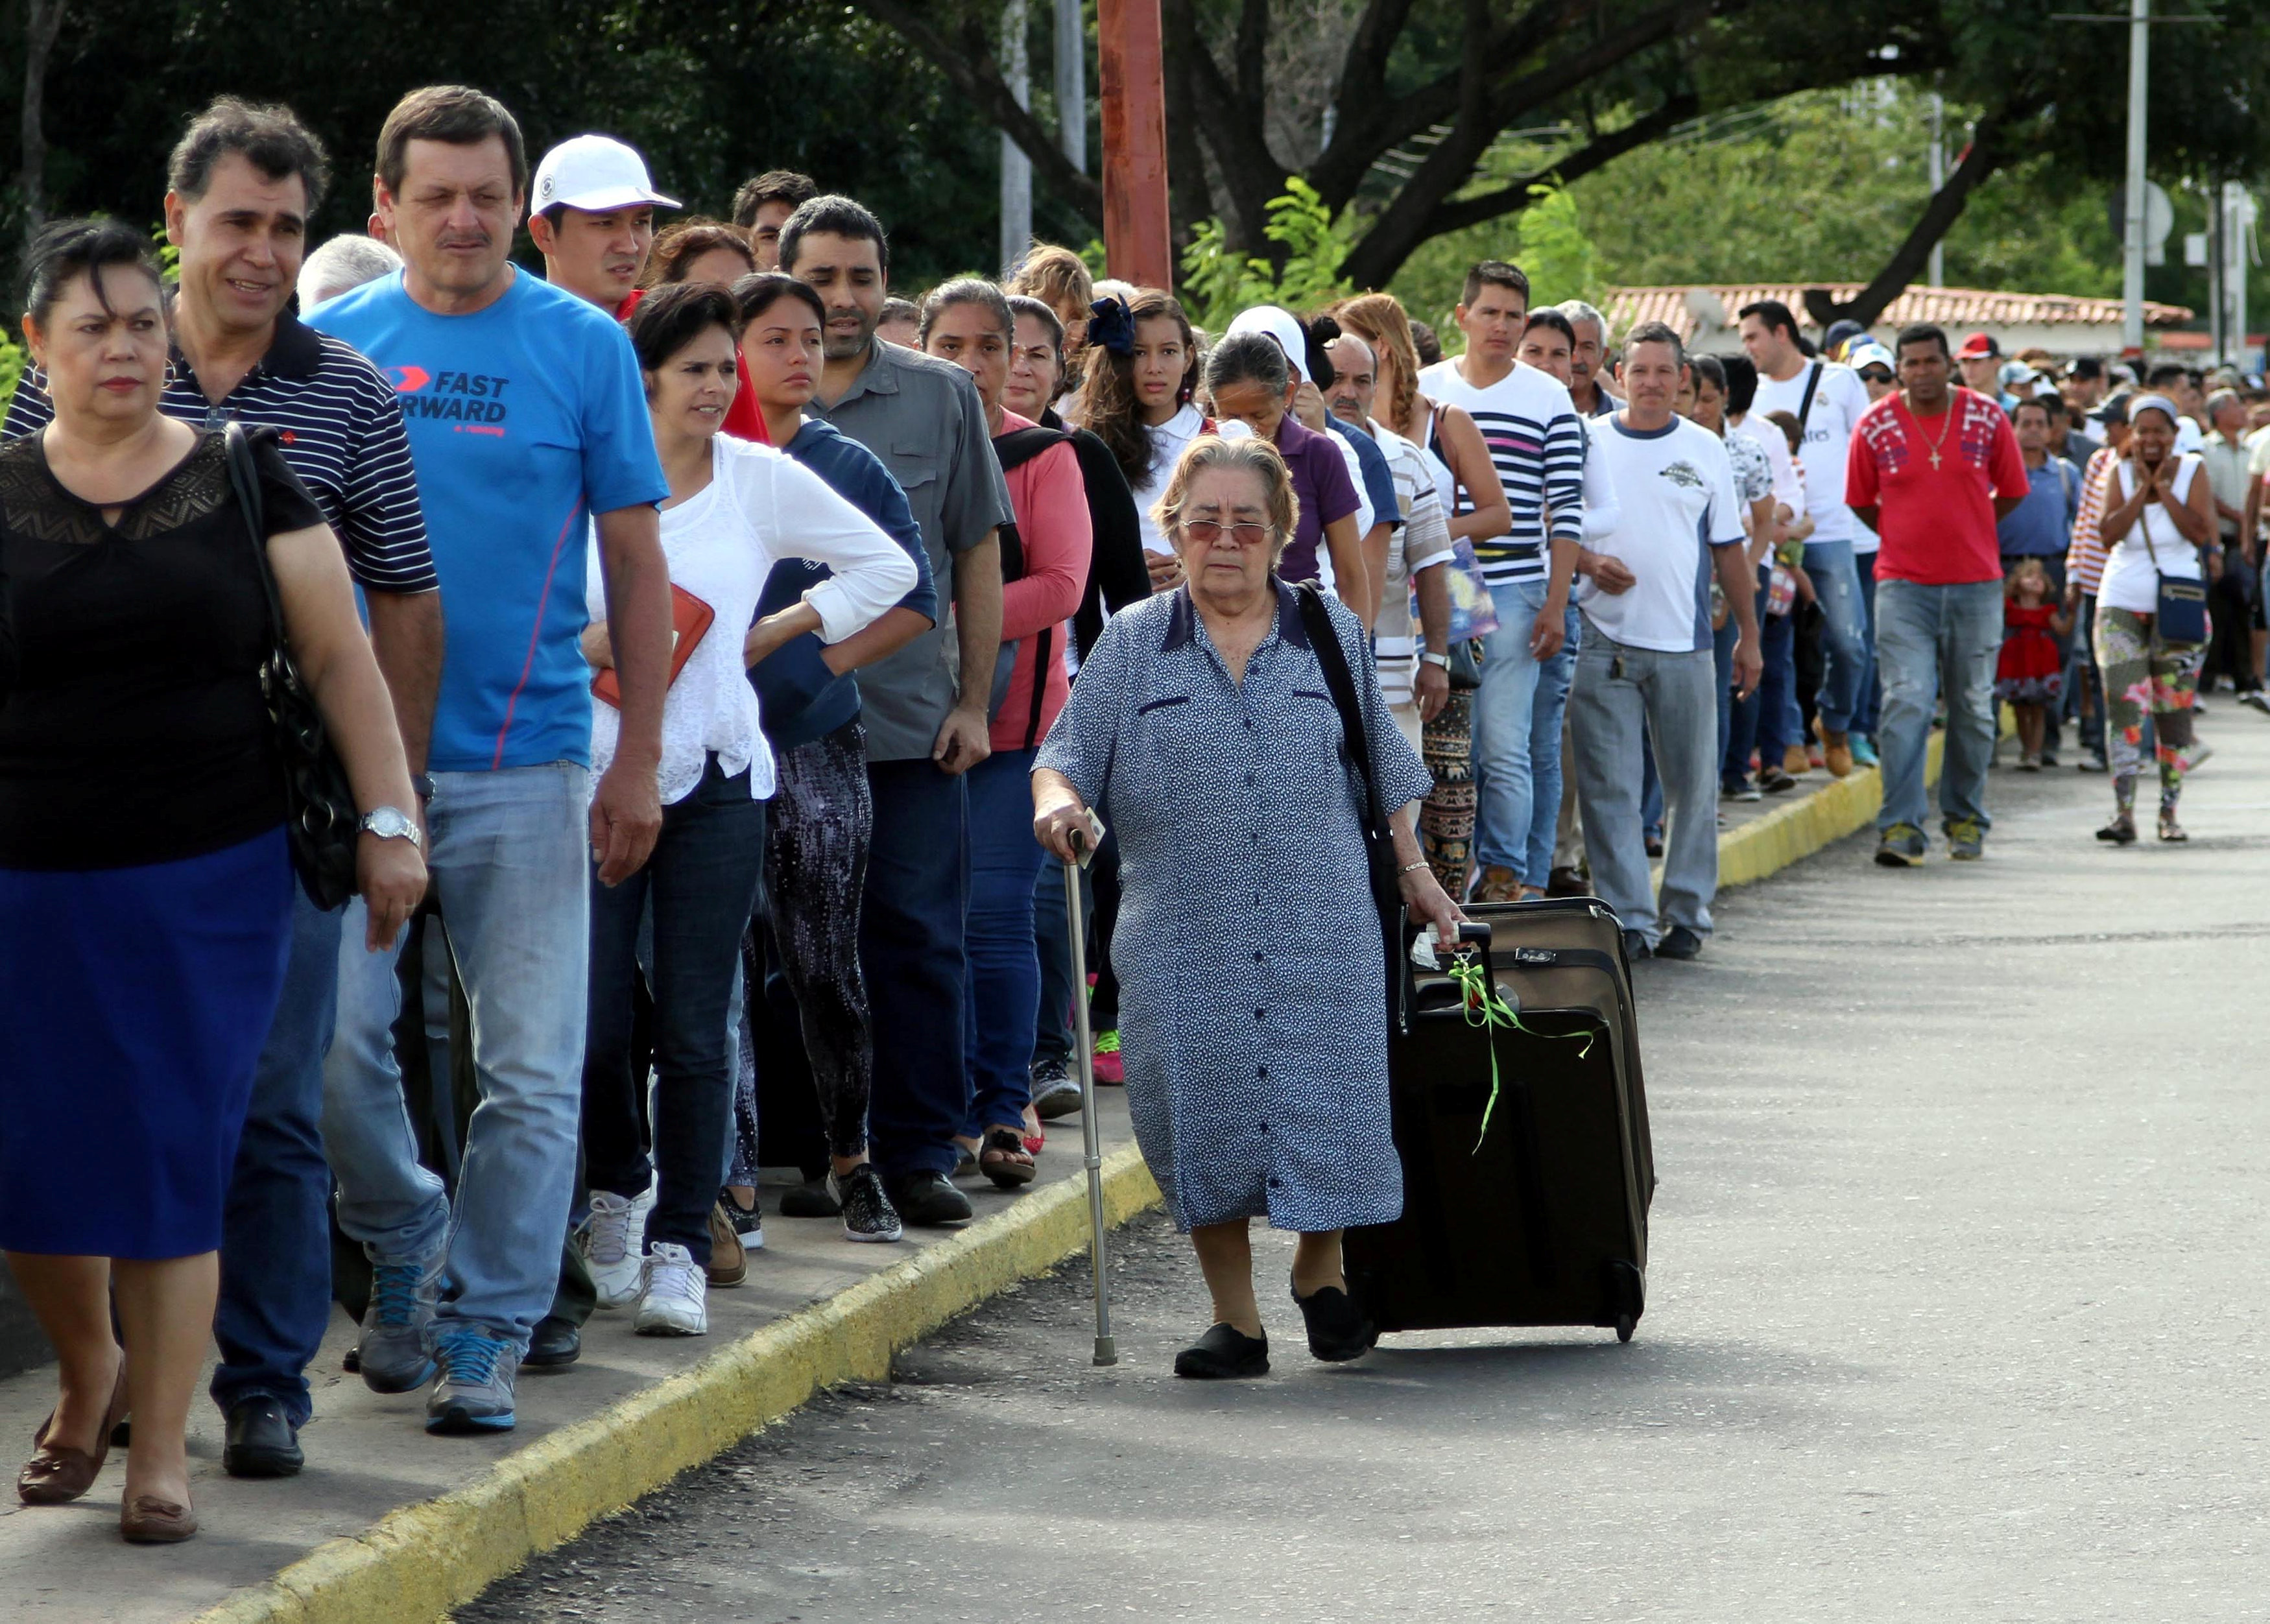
<point>1956,1311</point>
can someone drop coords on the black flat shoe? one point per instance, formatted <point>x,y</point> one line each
<point>261,1441</point>
<point>1224,1354</point>
<point>1337,1330</point>
<point>929,1200</point>
<point>555,1344</point>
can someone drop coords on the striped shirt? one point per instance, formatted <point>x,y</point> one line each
<point>2084,557</point>
<point>342,434</point>
<point>1534,438</point>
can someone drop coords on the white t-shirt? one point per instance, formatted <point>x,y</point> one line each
<point>1168,439</point>
<point>1676,488</point>
<point>759,508</point>
<point>1838,405</point>
<point>1788,485</point>
<point>2130,578</point>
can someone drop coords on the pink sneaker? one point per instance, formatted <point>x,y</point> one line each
<point>1108,1066</point>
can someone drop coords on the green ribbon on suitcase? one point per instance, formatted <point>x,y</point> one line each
<point>1482,1007</point>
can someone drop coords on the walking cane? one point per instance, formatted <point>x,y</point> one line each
<point>1083,844</point>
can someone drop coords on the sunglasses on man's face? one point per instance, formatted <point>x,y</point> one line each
<point>1208,531</point>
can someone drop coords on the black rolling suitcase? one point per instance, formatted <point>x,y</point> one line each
<point>1542,1220</point>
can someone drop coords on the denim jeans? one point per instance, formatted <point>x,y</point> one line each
<point>508,861</point>
<point>275,1249</point>
<point>702,883</point>
<point>1001,1009</point>
<point>2084,681</point>
<point>1623,696</point>
<point>1548,712</point>
<point>1504,723</point>
<point>911,923</point>
<point>1844,634</point>
<point>1929,639</point>
<point>1869,714</point>
<point>1756,724</point>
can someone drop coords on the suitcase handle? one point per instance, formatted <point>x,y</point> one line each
<point>1413,1002</point>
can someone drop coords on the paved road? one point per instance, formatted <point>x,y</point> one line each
<point>1956,1311</point>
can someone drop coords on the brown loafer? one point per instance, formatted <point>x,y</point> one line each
<point>149,1520</point>
<point>57,1473</point>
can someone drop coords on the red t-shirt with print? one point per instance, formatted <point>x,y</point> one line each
<point>1932,481</point>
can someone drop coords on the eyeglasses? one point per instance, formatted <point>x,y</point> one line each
<point>1206,530</point>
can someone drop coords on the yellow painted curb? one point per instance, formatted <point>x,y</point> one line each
<point>416,1563</point>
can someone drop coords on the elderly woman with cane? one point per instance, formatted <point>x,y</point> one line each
<point>1253,1014</point>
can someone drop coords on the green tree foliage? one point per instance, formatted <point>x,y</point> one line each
<point>1218,282</point>
<point>711,94</point>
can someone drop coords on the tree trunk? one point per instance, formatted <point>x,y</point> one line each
<point>1985,154</point>
<point>43,20</point>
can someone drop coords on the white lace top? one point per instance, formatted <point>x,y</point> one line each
<point>759,507</point>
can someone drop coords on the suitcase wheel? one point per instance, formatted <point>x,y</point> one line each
<point>1625,1326</point>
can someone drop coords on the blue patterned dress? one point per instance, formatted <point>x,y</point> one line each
<point>1252,1012</point>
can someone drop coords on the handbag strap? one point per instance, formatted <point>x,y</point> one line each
<point>1342,683</point>
<point>244,474</point>
<point>1805,406</point>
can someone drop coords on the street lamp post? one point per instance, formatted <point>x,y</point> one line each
<point>2132,243</point>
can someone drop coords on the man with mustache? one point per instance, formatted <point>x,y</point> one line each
<point>528,419</point>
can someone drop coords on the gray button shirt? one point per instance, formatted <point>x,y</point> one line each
<point>924,419</point>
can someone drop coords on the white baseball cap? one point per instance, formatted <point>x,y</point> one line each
<point>1278,324</point>
<point>594,174</point>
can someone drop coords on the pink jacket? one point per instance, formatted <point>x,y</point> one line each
<point>1051,500</point>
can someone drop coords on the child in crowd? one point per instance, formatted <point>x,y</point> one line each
<point>2031,675</point>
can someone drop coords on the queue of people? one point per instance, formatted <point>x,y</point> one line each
<point>739,642</point>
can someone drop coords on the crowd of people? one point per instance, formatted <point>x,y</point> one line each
<point>739,639</point>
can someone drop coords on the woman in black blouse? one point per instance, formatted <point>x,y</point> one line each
<point>144,879</point>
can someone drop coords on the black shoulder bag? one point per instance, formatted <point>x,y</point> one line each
<point>321,819</point>
<point>1378,838</point>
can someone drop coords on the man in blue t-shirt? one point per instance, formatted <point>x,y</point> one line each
<point>528,424</point>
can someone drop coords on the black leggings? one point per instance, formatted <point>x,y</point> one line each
<point>815,868</point>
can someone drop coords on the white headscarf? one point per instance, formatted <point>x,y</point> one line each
<point>1278,324</point>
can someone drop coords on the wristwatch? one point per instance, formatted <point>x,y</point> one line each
<point>1429,657</point>
<point>392,823</point>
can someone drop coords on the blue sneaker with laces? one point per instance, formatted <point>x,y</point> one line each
<point>391,1352</point>
<point>475,1392</point>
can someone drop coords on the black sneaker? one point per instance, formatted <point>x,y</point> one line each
<point>1224,1354</point>
<point>1337,1330</point>
<point>810,1199</point>
<point>868,1214</point>
<point>1055,1091</point>
<point>1774,781</point>
<point>928,1200</point>
<point>1679,942</point>
<point>1635,947</point>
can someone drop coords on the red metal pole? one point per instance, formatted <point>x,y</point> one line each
<point>1136,239</point>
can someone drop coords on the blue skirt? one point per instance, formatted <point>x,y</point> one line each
<point>134,1003</point>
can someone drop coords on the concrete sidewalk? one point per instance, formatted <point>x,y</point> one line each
<point>390,1524</point>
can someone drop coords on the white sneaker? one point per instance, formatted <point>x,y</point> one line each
<point>673,1295</point>
<point>609,1240</point>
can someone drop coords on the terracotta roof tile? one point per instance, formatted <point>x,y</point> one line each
<point>1952,307</point>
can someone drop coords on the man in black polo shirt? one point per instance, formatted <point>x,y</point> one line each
<point>241,185</point>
